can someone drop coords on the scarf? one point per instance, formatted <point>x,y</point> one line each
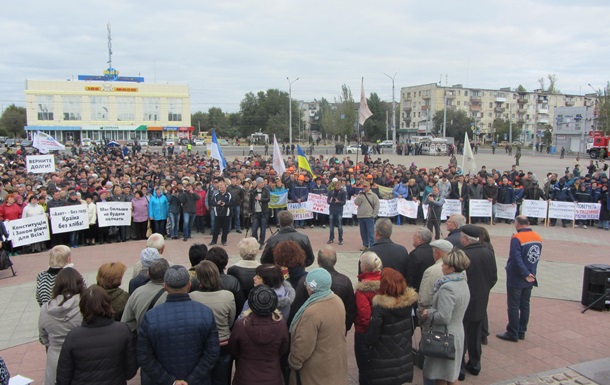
<point>319,281</point>
<point>451,277</point>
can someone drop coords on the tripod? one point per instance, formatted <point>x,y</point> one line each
<point>605,297</point>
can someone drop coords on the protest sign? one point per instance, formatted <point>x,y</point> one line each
<point>479,208</point>
<point>68,218</point>
<point>387,208</point>
<point>587,211</point>
<point>114,213</point>
<point>561,210</point>
<point>505,211</point>
<point>348,209</point>
<point>299,211</point>
<point>30,230</point>
<point>317,203</point>
<point>407,208</point>
<point>451,206</point>
<point>534,209</point>
<point>40,164</point>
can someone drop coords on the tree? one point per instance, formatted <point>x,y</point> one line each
<point>553,84</point>
<point>602,110</point>
<point>502,130</point>
<point>458,122</point>
<point>14,120</point>
<point>521,89</point>
<point>375,126</point>
<point>198,120</point>
<point>346,112</point>
<point>268,112</point>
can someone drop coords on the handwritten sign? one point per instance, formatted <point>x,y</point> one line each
<point>349,209</point>
<point>561,210</point>
<point>479,208</point>
<point>114,213</point>
<point>587,211</point>
<point>407,208</point>
<point>299,211</point>
<point>387,208</point>
<point>505,211</point>
<point>317,203</point>
<point>534,209</point>
<point>30,230</point>
<point>40,164</point>
<point>68,218</point>
<point>451,206</point>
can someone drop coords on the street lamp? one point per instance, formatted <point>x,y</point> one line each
<point>597,93</point>
<point>393,109</point>
<point>290,107</point>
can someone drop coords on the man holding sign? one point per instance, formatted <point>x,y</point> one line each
<point>336,200</point>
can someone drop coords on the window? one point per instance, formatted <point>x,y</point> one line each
<point>458,102</point>
<point>490,114</point>
<point>491,105</point>
<point>151,109</point>
<point>419,94</point>
<point>126,109</point>
<point>174,112</point>
<point>72,107</point>
<point>45,107</point>
<point>99,107</point>
<point>465,93</point>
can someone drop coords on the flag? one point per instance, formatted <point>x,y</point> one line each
<point>45,143</point>
<point>469,166</point>
<point>302,159</point>
<point>278,161</point>
<point>363,112</point>
<point>279,199</point>
<point>217,153</point>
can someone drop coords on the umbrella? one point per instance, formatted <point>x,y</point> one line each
<point>112,143</point>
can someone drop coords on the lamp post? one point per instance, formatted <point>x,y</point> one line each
<point>290,107</point>
<point>597,93</point>
<point>394,108</point>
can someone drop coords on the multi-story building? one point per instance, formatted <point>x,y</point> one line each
<point>531,111</point>
<point>573,125</point>
<point>108,108</point>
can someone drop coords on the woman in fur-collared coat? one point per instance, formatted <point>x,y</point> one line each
<point>390,330</point>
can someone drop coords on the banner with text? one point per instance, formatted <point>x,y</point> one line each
<point>40,164</point>
<point>407,208</point>
<point>349,208</point>
<point>587,211</point>
<point>534,209</point>
<point>561,210</point>
<point>387,208</point>
<point>451,206</point>
<point>68,218</point>
<point>299,211</point>
<point>479,208</point>
<point>30,230</point>
<point>114,213</point>
<point>505,211</point>
<point>317,203</point>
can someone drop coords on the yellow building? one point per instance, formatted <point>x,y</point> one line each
<point>108,107</point>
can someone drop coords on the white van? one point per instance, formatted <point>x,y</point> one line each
<point>86,143</point>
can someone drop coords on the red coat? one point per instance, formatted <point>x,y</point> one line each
<point>11,212</point>
<point>200,203</point>
<point>366,289</point>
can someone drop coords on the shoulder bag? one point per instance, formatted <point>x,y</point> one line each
<point>437,344</point>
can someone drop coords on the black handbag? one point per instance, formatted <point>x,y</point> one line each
<point>437,344</point>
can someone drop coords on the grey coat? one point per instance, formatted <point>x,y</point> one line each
<point>448,307</point>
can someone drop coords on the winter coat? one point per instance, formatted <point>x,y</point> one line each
<point>175,207</point>
<point>53,325</point>
<point>490,192</point>
<point>523,257</point>
<point>366,209</point>
<point>139,209</point>
<point>454,237</point>
<point>320,190</point>
<point>420,259</point>
<point>288,234</point>
<point>119,299</point>
<point>265,197</point>
<point>400,190</point>
<point>189,202</point>
<point>561,193</point>
<point>257,343</point>
<point>139,301</point>
<point>315,341</point>
<point>225,209</point>
<point>100,352</point>
<point>244,271</point>
<point>506,194</point>
<point>158,207</point>
<point>92,213</point>
<point>482,276</point>
<point>389,337</point>
<point>391,254</point>
<point>32,211</point>
<point>10,213</point>
<point>45,281</point>
<point>237,192</point>
<point>201,209</point>
<point>299,191</point>
<point>475,191</point>
<point>534,193</point>
<point>366,289</point>
<point>285,298</point>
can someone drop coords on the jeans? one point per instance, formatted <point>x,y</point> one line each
<point>236,218</point>
<point>174,224</point>
<point>259,220</point>
<point>367,231</point>
<point>298,224</point>
<point>335,220</point>
<point>160,225</point>
<point>74,239</point>
<point>221,372</point>
<point>361,352</point>
<point>212,220</point>
<point>518,310</point>
<point>187,226</point>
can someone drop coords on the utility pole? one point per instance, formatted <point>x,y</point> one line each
<point>444,116</point>
<point>393,108</point>
<point>290,108</point>
<point>510,123</point>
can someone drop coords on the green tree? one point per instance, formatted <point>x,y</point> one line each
<point>502,126</point>
<point>198,120</point>
<point>458,122</point>
<point>602,110</point>
<point>268,112</point>
<point>521,89</point>
<point>14,120</point>
<point>375,126</point>
<point>346,112</point>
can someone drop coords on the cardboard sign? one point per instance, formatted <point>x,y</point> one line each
<point>561,210</point>
<point>479,208</point>
<point>451,206</point>
<point>317,203</point>
<point>387,208</point>
<point>40,164</point>
<point>113,213</point>
<point>299,211</point>
<point>505,211</point>
<point>534,209</point>
<point>587,211</point>
<point>30,230</point>
<point>68,218</point>
<point>407,208</point>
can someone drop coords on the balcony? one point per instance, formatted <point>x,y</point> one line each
<point>499,109</point>
<point>450,94</point>
<point>425,107</point>
<point>543,110</point>
<point>570,102</point>
<point>543,120</point>
<point>475,107</point>
<point>500,98</point>
<point>425,95</point>
<point>520,121</point>
<point>521,100</point>
<point>475,99</point>
<point>407,108</point>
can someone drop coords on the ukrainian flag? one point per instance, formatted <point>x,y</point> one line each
<point>302,160</point>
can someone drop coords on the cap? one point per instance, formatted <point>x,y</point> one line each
<point>471,230</point>
<point>301,177</point>
<point>442,244</point>
<point>148,256</point>
<point>369,176</point>
<point>262,300</point>
<point>176,277</point>
<point>72,194</point>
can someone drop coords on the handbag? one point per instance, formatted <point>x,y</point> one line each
<point>437,344</point>
<point>148,230</point>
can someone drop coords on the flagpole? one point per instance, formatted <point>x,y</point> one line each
<point>358,123</point>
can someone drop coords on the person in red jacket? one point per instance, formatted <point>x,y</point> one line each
<point>201,210</point>
<point>10,211</point>
<point>366,289</point>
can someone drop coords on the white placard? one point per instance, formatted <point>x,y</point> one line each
<point>40,164</point>
<point>505,211</point>
<point>317,203</point>
<point>299,211</point>
<point>479,208</point>
<point>387,208</point>
<point>587,211</point>
<point>561,210</point>
<point>113,213</point>
<point>348,209</point>
<point>68,218</point>
<point>451,206</point>
<point>407,208</point>
<point>26,231</point>
<point>534,209</point>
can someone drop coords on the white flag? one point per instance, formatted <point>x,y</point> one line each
<point>278,161</point>
<point>363,112</point>
<point>217,153</point>
<point>45,143</point>
<point>469,166</point>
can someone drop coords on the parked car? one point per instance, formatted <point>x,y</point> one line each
<point>26,143</point>
<point>223,142</point>
<point>353,149</point>
<point>199,142</point>
<point>387,143</point>
<point>155,142</point>
<point>170,142</point>
<point>10,142</point>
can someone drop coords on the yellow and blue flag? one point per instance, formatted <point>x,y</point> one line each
<point>302,160</point>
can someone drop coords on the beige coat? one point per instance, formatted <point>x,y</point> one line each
<point>318,347</point>
<point>366,209</point>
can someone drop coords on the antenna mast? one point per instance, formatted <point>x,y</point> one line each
<point>109,47</point>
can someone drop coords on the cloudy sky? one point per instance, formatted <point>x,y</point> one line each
<point>224,49</point>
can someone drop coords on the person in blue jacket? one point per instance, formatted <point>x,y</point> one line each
<point>506,194</point>
<point>299,194</point>
<point>158,207</point>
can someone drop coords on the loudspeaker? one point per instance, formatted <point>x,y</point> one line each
<point>595,284</point>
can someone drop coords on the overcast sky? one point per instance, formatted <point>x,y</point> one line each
<point>224,49</point>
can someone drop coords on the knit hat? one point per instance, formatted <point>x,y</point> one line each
<point>176,277</point>
<point>262,300</point>
<point>148,256</point>
<point>318,280</point>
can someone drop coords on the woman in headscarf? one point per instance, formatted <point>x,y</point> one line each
<point>317,353</point>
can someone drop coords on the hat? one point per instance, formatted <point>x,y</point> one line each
<point>259,180</point>
<point>262,300</point>
<point>176,277</point>
<point>318,280</point>
<point>442,244</point>
<point>335,180</point>
<point>369,176</point>
<point>72,194</point>
<point>301,177</point>
<point>366,184</point>
<point>471,230</point>
<point>148,256</point>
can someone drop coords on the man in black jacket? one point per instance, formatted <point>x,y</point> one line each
<point>188,199</point>
<point>454,223</point>
<point>391,254</point>
<point>259,207</point>
<point>287,233</point>
<point>222,202</point>
<point>341,285</point>
<point>420,258</point>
